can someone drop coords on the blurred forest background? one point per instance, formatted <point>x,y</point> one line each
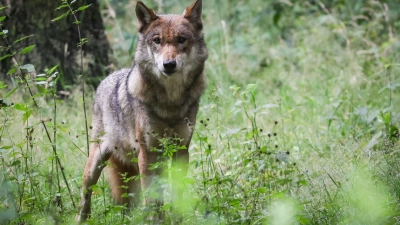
<point>298,125</point>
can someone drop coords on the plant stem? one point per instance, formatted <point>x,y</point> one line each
<point>83,77</point>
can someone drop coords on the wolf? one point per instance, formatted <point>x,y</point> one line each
<point>158,96</point>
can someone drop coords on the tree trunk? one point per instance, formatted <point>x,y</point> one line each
<point>56,42</point>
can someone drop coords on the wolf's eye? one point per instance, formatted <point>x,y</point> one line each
<point>181,40</point>
<point>157,40</point>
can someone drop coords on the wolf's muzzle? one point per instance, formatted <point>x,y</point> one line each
<point>169,66</point>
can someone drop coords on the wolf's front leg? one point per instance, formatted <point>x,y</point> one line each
<point>150,182</point>
<point>180,160</point>
<point>94,166</point>
<point>149,177</point>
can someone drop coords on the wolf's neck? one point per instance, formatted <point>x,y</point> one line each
<point>157,88</point>
<point>174,87</point>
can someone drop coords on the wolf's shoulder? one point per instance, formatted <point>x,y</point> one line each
<point>110,84</point>
<point>112,79</point>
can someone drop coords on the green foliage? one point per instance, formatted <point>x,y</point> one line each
<point>241,170</point>
<point>299,124</point>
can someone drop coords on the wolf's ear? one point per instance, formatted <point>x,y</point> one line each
<point>193,14</point>
<point>144,15</point>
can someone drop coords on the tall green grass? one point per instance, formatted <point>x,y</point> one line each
<point>298,124</point>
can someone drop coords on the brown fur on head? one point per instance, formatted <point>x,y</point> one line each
<point>145,15</point>
<point>170,39</point>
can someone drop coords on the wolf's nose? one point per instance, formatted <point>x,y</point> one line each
<point>169,65</point>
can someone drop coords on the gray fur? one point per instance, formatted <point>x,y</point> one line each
<point>134,107</point>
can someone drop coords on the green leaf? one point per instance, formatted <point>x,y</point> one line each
<point>27,49</point>
<point>6,147</point>
<point>262,190</point>
<point>16,163</point>
<point>42,90</point>
<point>83,7</point>
<point>10,92</point>
<point>125,195</point>
<point>40,78</point>
<point>5,56</point>
<point>60,17</point>
<point>50,71</point>
<point>276,18</point>
<point>20,107</point>
<point>2,18</point>
<point>235,202</point>
<point>83,41</point>
<point>12,71</point>
<point>204,139</point>
<point>62,6</point>
<point>279,195</point>
<point>246,161</point>
<point>23,38</point>
<point>2,85</point>
<point>27,114</point>
<point>263,149</point>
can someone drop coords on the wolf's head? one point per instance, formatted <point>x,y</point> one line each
<point>170,45</point>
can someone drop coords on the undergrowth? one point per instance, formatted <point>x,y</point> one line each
<point>299,123</point>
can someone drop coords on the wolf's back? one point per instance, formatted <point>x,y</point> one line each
<point>109,84</point>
